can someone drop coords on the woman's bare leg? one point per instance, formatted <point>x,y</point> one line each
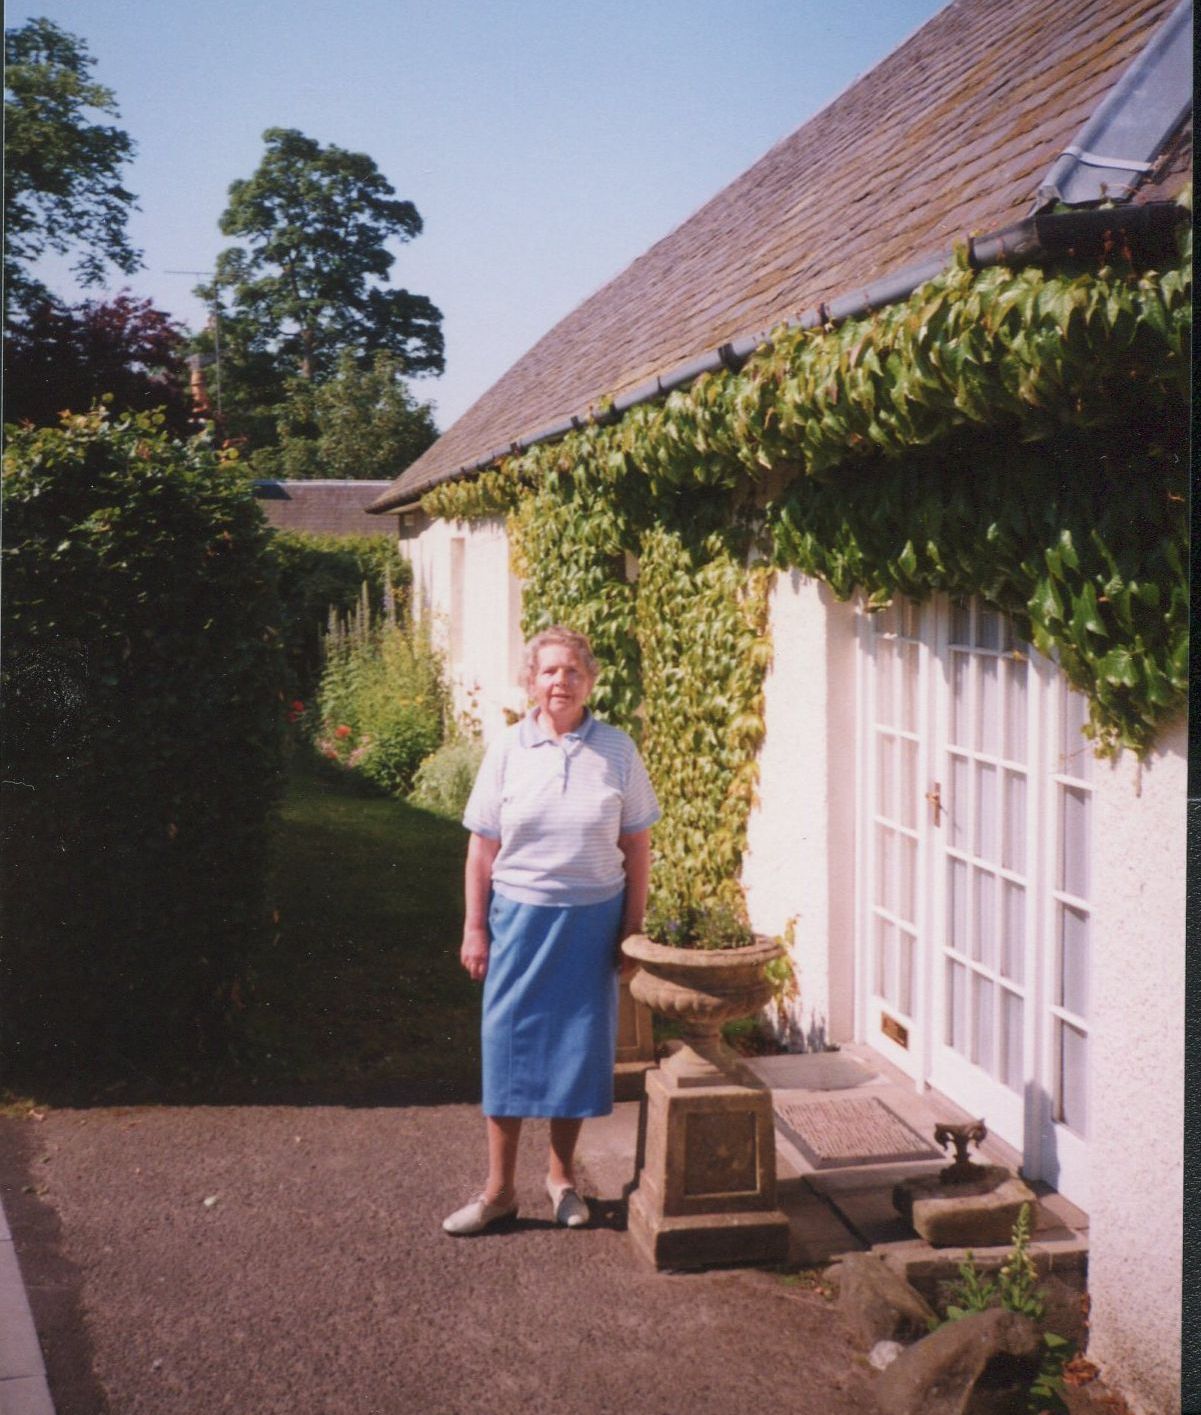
<point>504,1131</point>
<point>563,1136</point>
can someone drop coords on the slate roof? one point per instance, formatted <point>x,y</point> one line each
<point>950,135</point>
<point>336,508</point>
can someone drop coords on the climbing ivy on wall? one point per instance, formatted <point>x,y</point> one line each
<point>1018,435</point>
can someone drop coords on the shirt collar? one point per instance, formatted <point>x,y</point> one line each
<point>531,733</point>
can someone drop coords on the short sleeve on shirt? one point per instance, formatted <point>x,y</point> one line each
<point>639,807</point>
<point>481,815</point>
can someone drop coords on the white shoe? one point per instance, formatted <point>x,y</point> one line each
<point>570,1210</point>
<point>478,1215</point>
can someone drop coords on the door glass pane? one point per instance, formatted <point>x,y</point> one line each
<point>1015,710</point>
<point>1011,1040</point>
<point>886,872</point>
<point>905,1000</point>
<point>982,1022</point>
<point>878,940</point>
<point>886,753</point>
<point>1075,750</point>
<point>1073,960</point>
<point>984,933</point>
<point>961,666</point>
<point>908,863</point>
<point>909,784</point>
<point>957,905</point>
<point>908,612</point>
<point>961,622</point>
<point>989,712</point>
<point>889,990</point>
<point>986,811</point>
<point>959,805</point>
<point>1073,1075</point>
<point>957,1007</point>
<point>1013,853</point>
<point>1074,842</point>
<point>884,675</point>
<point>988,627</point>
<point>1013,931</point>
<point>908,659</point>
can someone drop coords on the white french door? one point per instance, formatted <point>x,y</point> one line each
<point>974,839</point>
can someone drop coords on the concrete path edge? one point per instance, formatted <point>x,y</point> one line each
<point>23,1387</point>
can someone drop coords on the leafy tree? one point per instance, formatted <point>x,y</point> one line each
<point>310,280</point>
<point>59,357</point>
<point>361,423</point>
<point>61,174</point>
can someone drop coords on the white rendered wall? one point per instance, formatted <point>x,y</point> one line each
<point>800,858</point>
<point>474,604</point>
<point>1137,1074</point>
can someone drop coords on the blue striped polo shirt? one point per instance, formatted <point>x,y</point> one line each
<point>557,809</point>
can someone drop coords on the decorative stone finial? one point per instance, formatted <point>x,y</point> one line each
<point>971,1132</point>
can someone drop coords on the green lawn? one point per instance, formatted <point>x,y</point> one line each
<point>361,984</point>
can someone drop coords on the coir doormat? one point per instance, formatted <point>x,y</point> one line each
<point>850,1130</point>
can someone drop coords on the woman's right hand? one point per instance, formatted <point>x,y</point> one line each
<point>474,953</point>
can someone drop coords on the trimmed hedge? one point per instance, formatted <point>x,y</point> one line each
<point>318,573</point>
<point>143,687</point>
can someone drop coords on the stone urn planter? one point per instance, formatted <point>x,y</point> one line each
<point>701,988</point>
<point>705,1188</point>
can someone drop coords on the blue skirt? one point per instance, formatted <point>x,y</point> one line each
<point>550,1008</point>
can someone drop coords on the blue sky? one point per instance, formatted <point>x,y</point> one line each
<point>546,143</point>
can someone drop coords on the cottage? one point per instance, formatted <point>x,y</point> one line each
<point>858,404</point>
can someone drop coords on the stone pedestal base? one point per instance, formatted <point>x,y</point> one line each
<point>977,1213</point>
<point>706,1185</point>
<point>635,1045</point>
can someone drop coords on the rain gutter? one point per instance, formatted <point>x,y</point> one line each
<point>1147,233</point>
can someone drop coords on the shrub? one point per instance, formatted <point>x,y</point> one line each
<point>318,573</point>
<point>445,778</point>
<point>141,680</point>
<point>381,703</point>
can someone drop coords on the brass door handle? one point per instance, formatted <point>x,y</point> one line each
<point>935,799</point>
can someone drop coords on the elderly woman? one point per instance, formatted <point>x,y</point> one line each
<point>557,869</point>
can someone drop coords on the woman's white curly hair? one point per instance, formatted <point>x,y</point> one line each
<point>566,638</point>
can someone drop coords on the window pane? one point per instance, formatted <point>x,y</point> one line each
<point>961,623</point>
<point>886,752</point>
<point>1013,932</point>
<point>908,863</point>
<point>982,1022</point>
<point>878,970</point>
<point>1073,960</point>
<point>984,933</point>
<point>957,1007</point>
<point>1015,709</point>
<point>1075,845</point>
<point>886,854</point>
<point>884,673</point>
<point>889,990</point>
<point>905,1000</point>
<point>1075,749</point>
<point>1073,1078</point>
<point>959,806</point>
<point>907,621</point>
<point>986,811</point>
<point>909,784</point>
<point>908,659</point>
<point>989,708</point>
<point>957,905</point>
<point>988,628</point>
<point>961,666</point>
<point>1013,853</point>
<point>1011,1040</point>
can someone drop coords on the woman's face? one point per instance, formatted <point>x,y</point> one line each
<point>560,686</point>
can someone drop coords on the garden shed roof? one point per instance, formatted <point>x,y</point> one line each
<point>949,136</point>
<point>333,507</point>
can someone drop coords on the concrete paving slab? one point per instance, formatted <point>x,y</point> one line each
<point>25,1395</point>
